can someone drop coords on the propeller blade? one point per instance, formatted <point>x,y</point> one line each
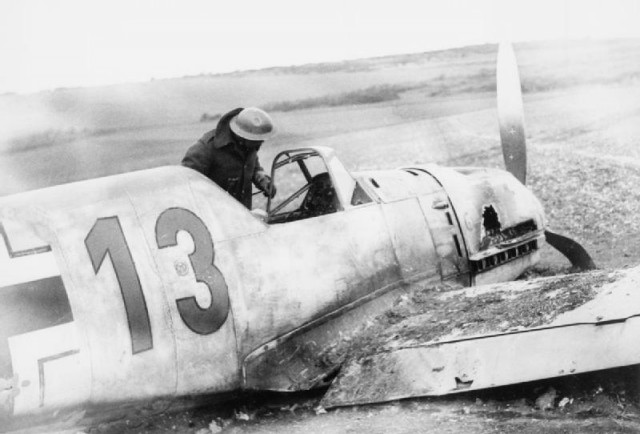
<point>514,145</point>
<point>511,113</point>
<point>571,249</point>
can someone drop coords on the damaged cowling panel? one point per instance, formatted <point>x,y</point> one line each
<point>501,220</point>
<point>498,245</point>
<point>476,338</point>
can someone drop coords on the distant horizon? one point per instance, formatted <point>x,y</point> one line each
<point>250,70</point>
<point>296,65</point>
<point>86,43</point>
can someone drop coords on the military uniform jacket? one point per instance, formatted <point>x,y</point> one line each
<point>221,159</point>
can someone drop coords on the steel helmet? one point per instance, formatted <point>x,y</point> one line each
<point>253,124</point>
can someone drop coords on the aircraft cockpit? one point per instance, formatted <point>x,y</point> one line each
<point>311,182</point>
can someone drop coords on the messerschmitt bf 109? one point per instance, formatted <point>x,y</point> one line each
<point>158,284</point>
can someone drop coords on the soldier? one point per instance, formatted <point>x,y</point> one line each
<point>228,155</point>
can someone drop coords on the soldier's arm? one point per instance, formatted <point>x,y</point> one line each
<point>259,174</point>
<point>263,181</point>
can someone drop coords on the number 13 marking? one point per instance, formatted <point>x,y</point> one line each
<point>107,238</point>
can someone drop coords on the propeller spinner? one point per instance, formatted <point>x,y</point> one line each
<point>514,146</point>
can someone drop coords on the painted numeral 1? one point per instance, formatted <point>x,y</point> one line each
<point>106,237</point>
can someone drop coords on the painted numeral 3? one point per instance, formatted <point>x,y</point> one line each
<point>201,320</point>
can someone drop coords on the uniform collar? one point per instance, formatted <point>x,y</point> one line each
<point>223,135</point>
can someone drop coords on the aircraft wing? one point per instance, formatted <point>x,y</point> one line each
<point>443,342</point>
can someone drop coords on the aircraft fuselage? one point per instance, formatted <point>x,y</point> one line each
<point>159,284</point>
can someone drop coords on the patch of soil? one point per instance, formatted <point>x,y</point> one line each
<point>432,314</point>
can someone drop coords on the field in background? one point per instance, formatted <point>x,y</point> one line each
<point>381,112</point>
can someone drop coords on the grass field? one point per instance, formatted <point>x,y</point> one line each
<point>378,112</point>
<point>582,108</point>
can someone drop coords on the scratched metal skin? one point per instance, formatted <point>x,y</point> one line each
<point>292,287</point>
<point>294,364</point>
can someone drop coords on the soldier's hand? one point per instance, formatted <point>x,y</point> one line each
<point>268,187</point>
<point>271,190</point>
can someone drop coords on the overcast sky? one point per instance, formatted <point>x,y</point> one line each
<point>46,44</point>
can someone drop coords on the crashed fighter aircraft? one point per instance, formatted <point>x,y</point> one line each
<point>157,284</point>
